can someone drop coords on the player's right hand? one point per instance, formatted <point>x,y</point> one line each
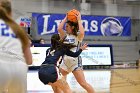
<point>84,46</point>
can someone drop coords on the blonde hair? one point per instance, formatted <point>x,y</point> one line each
<point>5,10</point>
<point>6,4</point>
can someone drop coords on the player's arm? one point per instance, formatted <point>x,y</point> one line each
<point>47,52</point>
<point>81,28</point>
<point>28,55</point>
<point>60,28</point>
<point>76,54</point>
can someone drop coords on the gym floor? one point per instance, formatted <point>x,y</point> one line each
<point>120,80</point>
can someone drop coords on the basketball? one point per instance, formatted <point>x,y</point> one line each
<point>71,15</point>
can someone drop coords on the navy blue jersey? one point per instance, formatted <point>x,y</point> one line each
<point>55,56</point>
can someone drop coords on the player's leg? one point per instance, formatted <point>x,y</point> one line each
<point>64,69</point>
<point>79,75</point>
<point>56,89</point>
<point>62,84</point>
<point>64,73</point>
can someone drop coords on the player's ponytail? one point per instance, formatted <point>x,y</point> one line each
<point>19,32</point>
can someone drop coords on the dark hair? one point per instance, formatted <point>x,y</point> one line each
<point>75,25</point>
<point>58,44</point>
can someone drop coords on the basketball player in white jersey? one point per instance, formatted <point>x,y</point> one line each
<point>71,64</point>
<point>15,53</point>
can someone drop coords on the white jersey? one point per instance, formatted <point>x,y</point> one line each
<point>70,64</point>
<point>8,40</point>
<point>72,39</point>
<point>13,68</point>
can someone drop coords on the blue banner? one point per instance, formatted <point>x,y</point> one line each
<point>94,25</point>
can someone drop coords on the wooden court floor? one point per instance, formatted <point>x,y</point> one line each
<point>126,80</point>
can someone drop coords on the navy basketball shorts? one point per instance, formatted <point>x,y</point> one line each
<point>49,74</point>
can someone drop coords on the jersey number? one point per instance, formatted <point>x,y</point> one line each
<point>5,30</point>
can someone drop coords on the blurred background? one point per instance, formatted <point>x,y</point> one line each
<point>125,47</point>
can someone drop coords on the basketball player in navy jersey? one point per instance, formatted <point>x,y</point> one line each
<point>49,70</point>
<point>15,53</point>
<point>74,35</point>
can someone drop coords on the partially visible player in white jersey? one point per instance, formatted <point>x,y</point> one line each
<point>71,64</point>
<point>15,53</point>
